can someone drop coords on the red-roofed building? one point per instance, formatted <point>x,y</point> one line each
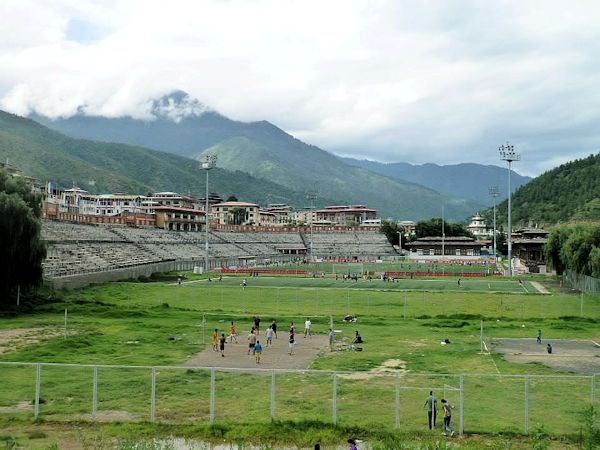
<point>178,219</point>
<point>350,215</point>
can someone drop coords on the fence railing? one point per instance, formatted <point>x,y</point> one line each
<point>179,394</point>
<point>583,283</point>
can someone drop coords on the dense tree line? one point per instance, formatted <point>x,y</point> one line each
<point>423,228</point>
<point>570,191</point>
<point>575,247</point>
<point>21,247</point>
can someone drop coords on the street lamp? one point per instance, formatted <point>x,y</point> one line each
<point>493,191</point>
<point>211,160</point>
<point>507,153</point>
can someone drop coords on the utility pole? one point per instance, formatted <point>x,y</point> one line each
<point>312,196</point>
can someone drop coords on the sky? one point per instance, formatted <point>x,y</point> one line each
<point>418,81</point>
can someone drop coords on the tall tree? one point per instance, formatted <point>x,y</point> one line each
<point>21,247</point>
<point>433,227</point>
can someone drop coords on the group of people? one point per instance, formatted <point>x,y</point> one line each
<point>432,409</point>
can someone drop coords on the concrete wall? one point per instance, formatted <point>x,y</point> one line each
<point>127,273</point>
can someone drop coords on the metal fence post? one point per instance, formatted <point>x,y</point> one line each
<point>273,395</point>
<point>334,407</point>
<point>593,398</point>
<point>153,396</point>
<point>526,404</point>
<point>94,392</point>
<point>397,400</point>
<point>461,405</point>
<point>212,394</point>
<point>38,376</point>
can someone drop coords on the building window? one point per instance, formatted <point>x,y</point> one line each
<point>469,252</point>
<point>458,252</point>
<point>431,252</point>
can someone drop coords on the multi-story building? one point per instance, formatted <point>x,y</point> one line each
<point>345,215</point>
<point>236,213</point>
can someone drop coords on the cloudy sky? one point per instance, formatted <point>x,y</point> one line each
<point>421,81</point>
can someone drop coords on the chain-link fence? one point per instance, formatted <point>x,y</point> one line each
<point>583,283</point>
<point>485,403</point>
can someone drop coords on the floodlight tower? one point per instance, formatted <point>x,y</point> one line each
<point>312,196</point>
<point>507,153</point>
<point>211,161</point>
<point>493,191</point>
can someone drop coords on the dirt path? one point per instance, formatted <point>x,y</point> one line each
<point>541,289</point>
<point>275,357</point>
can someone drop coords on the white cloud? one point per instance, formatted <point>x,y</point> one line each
<point>394,81</point>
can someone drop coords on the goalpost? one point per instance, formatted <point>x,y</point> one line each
<point>348,268</point>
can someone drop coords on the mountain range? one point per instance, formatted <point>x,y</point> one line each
<point>178,124</point>
<point>467,180</point>
<point>102,167</point>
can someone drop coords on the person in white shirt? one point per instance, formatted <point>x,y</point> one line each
<point>269,336</point>
<point>307,325</point>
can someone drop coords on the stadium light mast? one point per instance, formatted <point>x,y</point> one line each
<point>443,234</point>
<point>312,196</point>
<point>507,153</point>
<point>211,161</point>
<point>493,191</point>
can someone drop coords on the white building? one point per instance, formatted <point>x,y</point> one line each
<point>478,227</point>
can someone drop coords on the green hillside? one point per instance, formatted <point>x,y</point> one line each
<point>109,167</point>
<point>570,191</point>
<point>267,152</point>
<point>278,157</point>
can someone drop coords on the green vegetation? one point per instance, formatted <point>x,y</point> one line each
<point>159,324</point>
<point>569,191</point>
<point>109,167</point>
<point>21,248</point>
<point>575,247</point>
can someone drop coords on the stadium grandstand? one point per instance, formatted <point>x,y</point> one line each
<point>90,248</point>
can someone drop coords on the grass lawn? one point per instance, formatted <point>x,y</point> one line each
<point>160,324</point>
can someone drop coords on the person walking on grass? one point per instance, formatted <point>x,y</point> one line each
<point>307,324</point>
<point>447,409</point>
<point>222,344</point>
<point>431,405</point>
<point>215,337</point>
<point>331,340</point>
<point>269,336</point>
<point>257,351</point>
<point>251,342</point>
<point>232,334</point>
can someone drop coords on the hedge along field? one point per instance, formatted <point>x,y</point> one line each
<point>159,324</point>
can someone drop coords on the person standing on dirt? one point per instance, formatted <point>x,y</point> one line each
<point>257,351</point>
<point>292,341</point>
<point>257,324</point>
<point>431,405</point>
<point>232,334</point>
<point>274,327</point>
<point>307,324</point>
<point>222,344</point>
<point>215,337</point>
<point>269,336</point>
<point>251,341</point>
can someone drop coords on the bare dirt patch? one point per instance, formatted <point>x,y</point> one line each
<point>23,406</point>
<point>16,338</point>
<point>389,366</point>
<point>275,357</point>
<point>578,356</point>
